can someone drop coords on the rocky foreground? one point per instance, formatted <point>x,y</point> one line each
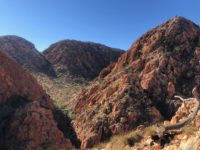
<point>187,138</point>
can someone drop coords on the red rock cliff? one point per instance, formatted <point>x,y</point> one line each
<point>139,88</point>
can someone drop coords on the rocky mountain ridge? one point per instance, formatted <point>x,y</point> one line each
<point>79,62</point>
<point>80,59</point>
<point>138,89</point>
<point>133,93</point>
<point>25,53</point>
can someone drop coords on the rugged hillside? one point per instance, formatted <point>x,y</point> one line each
<point>138,89</point>
<point>27,115</point>
<point>187,138</point>
<point>24,53</point>
<point>80,59</point>
<point>76,63</point>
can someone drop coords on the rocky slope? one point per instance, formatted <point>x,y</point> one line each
<point>24,53</point>
<point>186,138</point>
<point>138,89</point>
<point>76,63</point>
<point>27,118</point>
<point>80,59</point>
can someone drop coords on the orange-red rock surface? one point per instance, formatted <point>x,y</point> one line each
<point>138,89</point>
<point>26,112</point>
<point>186,138</point>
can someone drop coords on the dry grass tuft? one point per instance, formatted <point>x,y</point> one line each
<point>189,130</point>
<point>127,140</point>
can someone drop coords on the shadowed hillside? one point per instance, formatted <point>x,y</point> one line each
<point>24,53</point>
<point>26,112</point>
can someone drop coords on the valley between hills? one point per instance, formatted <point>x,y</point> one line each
<point>86,95</point>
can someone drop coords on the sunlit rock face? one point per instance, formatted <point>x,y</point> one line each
<point>139,88</point>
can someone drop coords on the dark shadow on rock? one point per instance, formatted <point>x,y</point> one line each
<point>164,139</point>
<point>8,141</point>
<point>64,124</point>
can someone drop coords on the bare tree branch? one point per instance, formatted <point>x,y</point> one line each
<point>183,99</point>
<point>161,129</point>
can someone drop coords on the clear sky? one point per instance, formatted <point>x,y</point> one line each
<point>116,23</point>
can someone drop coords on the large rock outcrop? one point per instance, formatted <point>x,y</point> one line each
<point>80,59</point>
<point>185,138</point>
<point>138,89</point>
<point>26,112</point>
<point>25,54</point>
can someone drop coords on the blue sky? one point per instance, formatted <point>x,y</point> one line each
<point>116,23</point>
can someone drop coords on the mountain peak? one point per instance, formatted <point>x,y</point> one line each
<point>80,59</point>
<point>179,21</point>
<point>140,86</point>
<point>15,38</point>
<point>168,37</point>
<point>25,54</point>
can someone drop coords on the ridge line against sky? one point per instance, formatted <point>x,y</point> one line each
<point>115,23</point>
